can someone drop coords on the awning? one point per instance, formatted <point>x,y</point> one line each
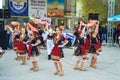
<point>115,18</point>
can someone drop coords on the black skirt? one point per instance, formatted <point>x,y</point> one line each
<point>34,51</point>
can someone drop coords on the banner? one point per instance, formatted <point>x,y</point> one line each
<point>18,7</point>
<point>55,8</point>
<point>45,20</point>
<point>37,8</point>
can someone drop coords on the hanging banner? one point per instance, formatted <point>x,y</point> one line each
<point>45,20</point>
<point>37,8</point>
<point>55,8</point>
<point>18,7</point>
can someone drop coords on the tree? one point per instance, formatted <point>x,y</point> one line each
<point>117,7</point>
<point>95,6</point>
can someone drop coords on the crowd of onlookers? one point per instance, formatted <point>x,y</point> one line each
<point>104,33</point>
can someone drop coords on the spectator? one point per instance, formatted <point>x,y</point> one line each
<point>118,34</point>
<point>104,33</point>
<point>100,32</point>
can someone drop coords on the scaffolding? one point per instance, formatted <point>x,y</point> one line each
<point>111,10</point>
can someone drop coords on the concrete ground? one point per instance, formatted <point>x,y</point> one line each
<point>108,67</point>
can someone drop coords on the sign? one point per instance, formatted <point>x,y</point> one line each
<point>37,8</point>
<point>18,7</point>
<point>45,20</point>
<point>55,8</point>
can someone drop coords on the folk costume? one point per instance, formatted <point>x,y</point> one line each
<point>80,52</point>
<point>95,46</point>
<point>22,49</point>
<point>16,42</point>
<point>21,45</point>
<point>33,50</point>
<point>57,51</point>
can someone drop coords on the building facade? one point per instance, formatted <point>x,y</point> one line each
<point>72,10</point>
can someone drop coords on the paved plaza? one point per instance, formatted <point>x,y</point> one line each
<point>108,67</point>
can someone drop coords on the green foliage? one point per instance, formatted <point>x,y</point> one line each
<point>117,7</point>
<point>92,6</point>
<point>100,7</point>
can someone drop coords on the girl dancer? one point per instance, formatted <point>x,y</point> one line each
<point>16,34</point>
<point>33,52</point>
<point>57,52</point>
<point>80,52</point>
<point>94,46</point>
<point>22,46</point>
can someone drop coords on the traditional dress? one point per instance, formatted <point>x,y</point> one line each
<point>40,33</point>
<point>99,44</point>
<point>94,47</point>
<point>15,42</point>
<point>87,43</point>
<point>33,50</point>
<point>21,45</point>
<point>57,51</point>
<point>81,50</point>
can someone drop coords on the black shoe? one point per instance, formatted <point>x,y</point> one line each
<point>49,57</point>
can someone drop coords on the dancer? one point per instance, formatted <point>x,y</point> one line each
<point>57,52</point>
<point>33,52</point>
<point>80,52</point>
<point>94,48</point>
<point>16,36</point>
<point>22,46</point>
